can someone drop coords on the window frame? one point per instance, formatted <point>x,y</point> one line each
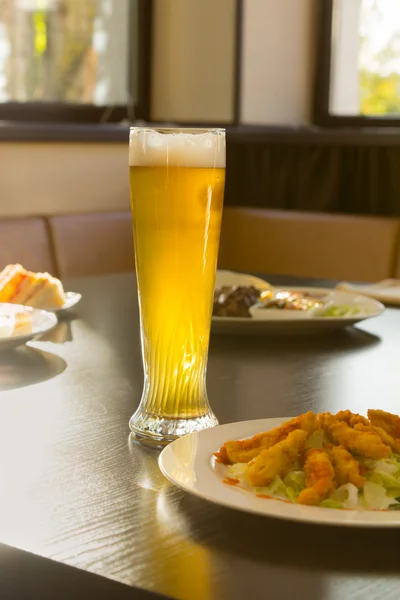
<point>61,113</point>
<point>322,84</point>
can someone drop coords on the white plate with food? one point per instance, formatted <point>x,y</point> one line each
<point>327,469</point>
<point>38,290</point>
<point>247,304</point>
<point>71,300</point>
<point>21,324</point>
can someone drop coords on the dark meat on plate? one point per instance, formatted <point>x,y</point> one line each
<point>235,301</point>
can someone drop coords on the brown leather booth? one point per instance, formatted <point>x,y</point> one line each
<point>92,244</point>
<point>308,244</point>
<point>252,240</point>
<point>26,241</point>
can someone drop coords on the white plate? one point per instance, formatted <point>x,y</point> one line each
<point>189,463</point>
<point>71,299</point>
<point>280,321</point>
<point>42,322</point>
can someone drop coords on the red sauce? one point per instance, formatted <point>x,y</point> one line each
<point>274,498</point>
<point>220,457</point>
<point>231,481</point>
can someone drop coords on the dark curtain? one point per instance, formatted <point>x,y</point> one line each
<point>309,170</point>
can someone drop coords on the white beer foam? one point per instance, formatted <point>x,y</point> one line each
<point>149,148</point>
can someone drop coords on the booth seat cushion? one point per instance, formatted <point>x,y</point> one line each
<point>26,241</point>
<point>93,244</point>
<point>304,244</point>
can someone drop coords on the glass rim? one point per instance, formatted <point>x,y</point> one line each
<point>190,130</point>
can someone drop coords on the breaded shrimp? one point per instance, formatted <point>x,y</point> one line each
<point>350,418</point>
<point>242,451</point>
<point>347,468</point>
<point>388,422</point>
<point>319,477</point>
<point>385,437</point>
<point>307,422</point>
<point>277,460</point>
<point>325,420</point>
<point>366,444</point>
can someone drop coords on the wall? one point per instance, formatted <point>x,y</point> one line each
<point>193,60</point>
<point>192,80</point>
<point>194,56</point>
<point>345,91</point>
<point>278,61</point>
<point>49,178</point>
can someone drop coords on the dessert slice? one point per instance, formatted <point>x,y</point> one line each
<point>11,279</point>
<point>47,292</point>
<point>39,290</point>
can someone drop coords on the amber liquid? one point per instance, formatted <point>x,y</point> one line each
<point>176,222</point>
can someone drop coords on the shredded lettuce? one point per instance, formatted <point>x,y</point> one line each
<point>381,489</point>
<point>347,495</point>
<point>316,439</point>
<point>339,310</point>
<point>389,465</point>
<point>295,480</point>
<point>275,488</point>
<point>291,493</point>
<point>238,470</point>
<point>281,489</point>
<point>375,496</point>
<point>262,491</point>
<point>385,480</point>
<point>331,504</point>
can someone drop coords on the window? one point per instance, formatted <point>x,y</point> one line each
<point>359,68</point>
<point>69,60</point>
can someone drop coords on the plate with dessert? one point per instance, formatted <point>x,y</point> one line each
<point>21,324</point>
<point>247,304</point>
<point>37,290</point>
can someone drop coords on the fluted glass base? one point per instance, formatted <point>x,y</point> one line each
<point>157,431</point>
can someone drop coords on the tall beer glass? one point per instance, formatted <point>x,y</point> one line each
<point>177,179</point>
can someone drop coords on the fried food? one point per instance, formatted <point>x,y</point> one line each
<point>325,420</point>
<point>388,422</point>
<point>235,301</point>
<point>322,460</point>
<point>40,290</point>
<point>277,460</point>
<point>347,468</point>
<point>320,475</point>
<point>350,418</point>
<point>307,422</point>
<point>243,451</point>
<point>366,444</point>
<point>394,444</point>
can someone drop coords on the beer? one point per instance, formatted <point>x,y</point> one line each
<point>177,186</point>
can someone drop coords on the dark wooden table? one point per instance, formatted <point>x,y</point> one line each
<point>75,489</point>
